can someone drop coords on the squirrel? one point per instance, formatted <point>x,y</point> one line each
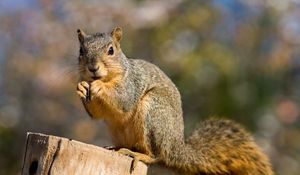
<point>143,111</point>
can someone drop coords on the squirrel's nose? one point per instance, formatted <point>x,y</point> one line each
<point>93,68</point>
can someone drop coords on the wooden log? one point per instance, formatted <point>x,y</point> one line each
<point>51,155</point>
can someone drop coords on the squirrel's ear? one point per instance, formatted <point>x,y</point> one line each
<point>117,34</point>
<point>81,35</point>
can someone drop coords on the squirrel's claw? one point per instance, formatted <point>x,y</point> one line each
<point>133,165</point>
<point>127,152</point>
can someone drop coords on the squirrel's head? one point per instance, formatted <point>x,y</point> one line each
<point>100,55</point>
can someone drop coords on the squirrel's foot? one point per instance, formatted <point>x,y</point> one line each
<point>83,90</point>
<point>96,89</point>
<point>136,157</point>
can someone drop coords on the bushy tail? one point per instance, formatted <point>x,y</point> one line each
<point>220,147</point>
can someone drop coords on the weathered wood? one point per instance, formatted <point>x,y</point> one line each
<point>45,155</point>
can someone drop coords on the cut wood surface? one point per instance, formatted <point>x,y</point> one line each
<point>51,155</point>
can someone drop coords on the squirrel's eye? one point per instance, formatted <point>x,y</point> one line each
<point>111,51</point>
<point>81,51</point>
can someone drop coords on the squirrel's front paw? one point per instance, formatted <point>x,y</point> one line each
<point>96,89</point>
<point>83,90</point>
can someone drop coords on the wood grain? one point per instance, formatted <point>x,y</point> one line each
<point>52,155</point>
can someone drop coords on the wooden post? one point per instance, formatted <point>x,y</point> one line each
<point>45,155</point>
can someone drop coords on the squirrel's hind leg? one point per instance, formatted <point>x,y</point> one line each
<point>139,156</point>
<point>136,157</point>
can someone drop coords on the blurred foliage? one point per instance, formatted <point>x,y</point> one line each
<point>229,58</point>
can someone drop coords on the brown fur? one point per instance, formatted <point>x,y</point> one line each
<point>142,108</point>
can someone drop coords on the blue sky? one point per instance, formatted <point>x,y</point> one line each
<point>10,6</point>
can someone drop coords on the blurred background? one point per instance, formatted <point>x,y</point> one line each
<point>234,59</point>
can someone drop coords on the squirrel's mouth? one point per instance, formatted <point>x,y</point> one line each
<point>96,77</point>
